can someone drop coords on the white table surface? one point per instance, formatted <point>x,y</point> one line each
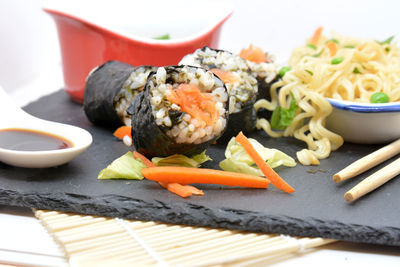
<point>276,26</point>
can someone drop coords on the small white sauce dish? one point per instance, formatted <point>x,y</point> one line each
<point>365,123</point>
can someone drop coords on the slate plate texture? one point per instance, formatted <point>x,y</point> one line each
<point>317,208</point>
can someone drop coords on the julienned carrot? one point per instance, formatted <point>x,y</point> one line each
<point>264,167</point>
<point>185,175</point>
<point>180,190</point>
<point>195,191</point>
<point>122,131</point>
<point>145,160</point>
<point>332,48</point>
<point>254,54</point>
<point>317,34</point>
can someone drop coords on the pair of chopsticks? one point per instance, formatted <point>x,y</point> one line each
<point>375,180</point>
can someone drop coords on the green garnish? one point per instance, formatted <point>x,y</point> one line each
<point>379,98</point>
<point>309,72</point>
<point>349,46</point>
<point>387,41</point>
<point>356,71</point>
<point>318,54</point>
<point>238,160</point>
<point>283,71</point>
<point>333,40</point>
<point>283,117</point>
<point>337,60</point>
<point>124,167</point>
<point>387,49</point>
<point>163,37</point>
<point>182,160</point>
<point>312,46</point>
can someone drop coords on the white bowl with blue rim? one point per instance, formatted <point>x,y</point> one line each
<point>365,123</point>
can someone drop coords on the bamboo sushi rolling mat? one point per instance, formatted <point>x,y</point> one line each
<point>102,241</point>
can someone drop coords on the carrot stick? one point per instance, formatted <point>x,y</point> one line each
<point>123,131</point>
<point>317,34</point>
<point>185,175</point>
<point>195,191</point>
<point>146,161</point>
<point>180,190</point>
<point>176,188</point>
<point>332,48</point>
<point>264,167</point>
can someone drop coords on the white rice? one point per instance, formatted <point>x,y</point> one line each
<point>131,87</point>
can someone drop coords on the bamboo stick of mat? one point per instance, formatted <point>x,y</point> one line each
<point>368,162</point>
<point>113,241</point>
<point>373,181</point>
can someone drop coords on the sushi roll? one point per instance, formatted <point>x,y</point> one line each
<point>241,79</point>
<point>182,110</point>
<point>110,89</point>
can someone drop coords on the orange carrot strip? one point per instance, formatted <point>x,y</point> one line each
<point>183,189</point>
<point>225,76</point>
<point>254,54</point>
<point>178,189</point>
<point>146,161</point>
<point>185,175</point>
<point>332,48</point>
<point>264,167</point>
<point>123,131</point>
<point>316,36</point>
<point>195,191</point>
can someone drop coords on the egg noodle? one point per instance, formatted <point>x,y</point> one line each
<point>342,68</point>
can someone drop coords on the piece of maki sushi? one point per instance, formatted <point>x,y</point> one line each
<point>241,79</point>
<point>182,110</point>
<point>110,89</point>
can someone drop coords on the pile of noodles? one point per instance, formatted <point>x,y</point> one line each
<point>340,67</point>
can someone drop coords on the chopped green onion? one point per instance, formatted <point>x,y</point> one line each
<point>309,72</point>
<point>387,41</point>
<point>318,54</point>
<point>312,46</point>
<point>349,46</point>
<point>387,49</point>
<point>379,98</point>
<point>337,60</point>
<point>333,40</point>
<point>283,71</point>
<point>356,71</point>
<point>163,37</point>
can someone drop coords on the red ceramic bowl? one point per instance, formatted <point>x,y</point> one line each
<point>86,44</point>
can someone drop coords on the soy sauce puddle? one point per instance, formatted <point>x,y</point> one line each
<point>31,140</point>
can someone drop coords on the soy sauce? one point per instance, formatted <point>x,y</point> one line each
<point>31,140</point>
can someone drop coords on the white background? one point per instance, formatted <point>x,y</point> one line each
<point>30,66</point>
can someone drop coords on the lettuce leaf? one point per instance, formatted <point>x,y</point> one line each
<point>182,160</point>
<point>124,167</point>
<point>283,117</point>
<point>237,159</point>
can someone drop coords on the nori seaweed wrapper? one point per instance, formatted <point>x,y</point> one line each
<point>244,120</point>
<point>102,86</point>
<point>150,139</point>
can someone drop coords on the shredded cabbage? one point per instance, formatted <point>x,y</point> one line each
<point>124,167</point>
<point>182,160</point>
<point>237,159</point>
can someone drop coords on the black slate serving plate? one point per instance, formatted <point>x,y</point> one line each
<point>317,208</point>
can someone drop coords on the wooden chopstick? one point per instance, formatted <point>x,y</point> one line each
<point>373,181</point>
<point>368,162</point>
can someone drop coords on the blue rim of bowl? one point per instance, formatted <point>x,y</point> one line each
<point>365,107</point>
